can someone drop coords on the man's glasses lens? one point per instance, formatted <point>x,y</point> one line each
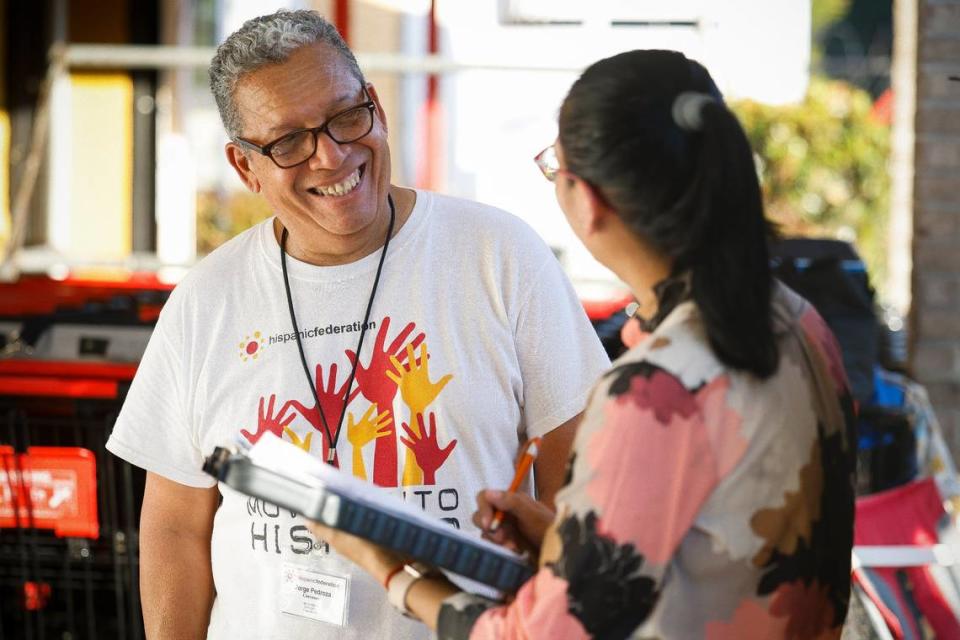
<point>294,148</point>
<point>346,127</point>
<point>351,125</point>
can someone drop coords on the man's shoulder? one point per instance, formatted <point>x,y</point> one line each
<point>226,262</point>
<point>455,205</point>
<point>213,276</point>
<point>479,219</point>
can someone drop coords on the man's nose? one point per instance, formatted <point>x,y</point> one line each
<point>329,154</point>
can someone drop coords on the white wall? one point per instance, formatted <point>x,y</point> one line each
<point>498,120</point>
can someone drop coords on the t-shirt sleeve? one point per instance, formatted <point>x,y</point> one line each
<point>153,430</point>
<point>559,352</point>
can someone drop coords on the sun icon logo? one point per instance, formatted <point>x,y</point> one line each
<point>251,347</point>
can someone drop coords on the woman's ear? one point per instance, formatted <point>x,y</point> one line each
<point>240,162</point>
<point>596,211</point>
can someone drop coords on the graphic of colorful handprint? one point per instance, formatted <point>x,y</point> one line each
<point>331,400</point>
<point>423,444</point>
<point>295,439</point>
<point>381,390</point>
<point>266,421</point>
<point>418,393</point>
<point>372,426</point>
<point>414,380</point>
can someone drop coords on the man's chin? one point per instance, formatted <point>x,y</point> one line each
<point>343,225</point>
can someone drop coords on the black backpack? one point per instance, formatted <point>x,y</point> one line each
<point>833,278</point>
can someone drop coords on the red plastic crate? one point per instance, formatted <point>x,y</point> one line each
<point>50,488</point>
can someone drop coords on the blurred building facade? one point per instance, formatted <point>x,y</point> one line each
<point>929,32</point>
<point>133,157</point>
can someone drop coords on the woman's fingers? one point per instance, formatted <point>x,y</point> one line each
<point>484,513</point>
<point>322,532</point>
<point>524,523</point>
<point>376,560</point>
<point>491,500</point>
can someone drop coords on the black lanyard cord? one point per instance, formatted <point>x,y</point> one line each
<point>363,331</point>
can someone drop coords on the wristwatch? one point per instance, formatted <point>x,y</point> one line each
<point>400,584</point>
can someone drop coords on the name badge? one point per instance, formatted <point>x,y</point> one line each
<point>314,594</point>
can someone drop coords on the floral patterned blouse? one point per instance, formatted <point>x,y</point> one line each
<point>700,502</point>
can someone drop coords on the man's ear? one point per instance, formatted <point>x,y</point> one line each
<point>381,114</point>
<point>240,162</point>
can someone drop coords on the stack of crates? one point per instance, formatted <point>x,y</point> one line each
<point>69,511</point>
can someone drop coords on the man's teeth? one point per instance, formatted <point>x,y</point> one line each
<point>341,188</point>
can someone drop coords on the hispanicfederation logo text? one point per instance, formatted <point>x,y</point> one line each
<point>314,332</point>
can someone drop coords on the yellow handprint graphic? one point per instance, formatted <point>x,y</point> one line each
<point>413,380</point>
<point>361,433</point>
<point>295,439</point>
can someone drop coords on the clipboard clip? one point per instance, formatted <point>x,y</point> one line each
<point>216,463</point>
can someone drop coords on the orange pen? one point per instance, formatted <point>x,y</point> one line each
<point>527,456</point>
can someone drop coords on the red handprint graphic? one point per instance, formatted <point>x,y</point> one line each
<point>266,421</point>
<point>381,390</point>
<point>331,400</point>
<point>425,448</point>
<point>418,393</point>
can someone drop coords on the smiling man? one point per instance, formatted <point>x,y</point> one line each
<point>411,339</point>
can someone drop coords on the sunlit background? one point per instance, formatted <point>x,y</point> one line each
<point>113,183</point>
<point>134,174</point>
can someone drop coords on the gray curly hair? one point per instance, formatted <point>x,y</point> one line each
<point>269,39</point>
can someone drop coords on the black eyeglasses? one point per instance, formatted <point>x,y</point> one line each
<point>297,146</point>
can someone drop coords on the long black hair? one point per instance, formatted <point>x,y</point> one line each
<point>650,132</point>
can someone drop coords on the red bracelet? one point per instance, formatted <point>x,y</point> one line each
<point>393,572</point>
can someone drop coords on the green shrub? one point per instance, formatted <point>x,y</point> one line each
<point>823,166</point>
<point>220,218</point>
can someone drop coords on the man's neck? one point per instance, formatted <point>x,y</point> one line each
<point>351,250</point>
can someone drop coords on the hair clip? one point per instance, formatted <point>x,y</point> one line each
<point>688,110</point>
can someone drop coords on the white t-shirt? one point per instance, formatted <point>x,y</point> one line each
<point>511,355</point>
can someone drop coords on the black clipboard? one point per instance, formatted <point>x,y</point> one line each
<point>439,544</point>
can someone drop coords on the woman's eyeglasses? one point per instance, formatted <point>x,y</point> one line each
<point>297,146</point>
<point>549,164</point>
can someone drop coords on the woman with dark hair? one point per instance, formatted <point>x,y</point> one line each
<point>710,489</point>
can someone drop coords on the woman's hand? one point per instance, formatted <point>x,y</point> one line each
<point>376,560</point>
<point>424,598</point>
<point>524,524</point>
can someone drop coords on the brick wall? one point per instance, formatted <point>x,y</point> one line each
<point>935,309</point>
